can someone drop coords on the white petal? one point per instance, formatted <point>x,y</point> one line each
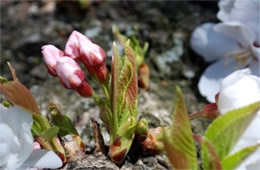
<point>252,162</point>
<point>255,68</point>
<point>237,31</point>
<point>255,165</point>
<point>42,158</point>
<point>245,12</point>
<point>210,44</point>
<point>225,7</point>
<point>4,153</point>
<point>20,122</point>
<point>209,83</point>
<point>238,90</point>
<point>251,135</point>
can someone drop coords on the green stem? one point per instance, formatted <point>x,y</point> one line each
<point>105,91</point>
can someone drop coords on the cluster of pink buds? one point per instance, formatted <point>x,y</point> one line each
<point>63,64</point>
<point>81,48</point>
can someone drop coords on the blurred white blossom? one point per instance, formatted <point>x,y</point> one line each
<point>231,44</point>
<point>237,90</point>
<point>16,142</point>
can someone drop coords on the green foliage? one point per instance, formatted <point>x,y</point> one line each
<point>231,161</point>
<point>224,132</point>
<point>139,51</point>
<point>220,138</point>
<point>123,106</point>
<point>50,133</point>
<point>62,121</point>
<point>3,80</point>
<point>123,86</point>
<point>178,142</point>
<point>6,104</point>
<point>212,160</point>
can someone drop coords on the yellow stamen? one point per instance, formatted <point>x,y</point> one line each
<point>244,57</point>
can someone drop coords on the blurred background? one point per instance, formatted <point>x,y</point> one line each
<point>165,25</point>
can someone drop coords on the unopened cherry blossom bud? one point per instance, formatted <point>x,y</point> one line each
<point>72,46</point>
<point>69,72</point>
<point>93,57</point>
<point>91,53</point>
<point>51,54</point>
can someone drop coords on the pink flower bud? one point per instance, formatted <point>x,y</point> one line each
<point>51,54</point>
<point>91,53</point>
<point>69,72</point>
<point>72,46</point>
<point>93,57</point>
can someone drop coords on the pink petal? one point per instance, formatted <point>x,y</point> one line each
<point>51,54</point>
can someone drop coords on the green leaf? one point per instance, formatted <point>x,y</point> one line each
<point>6,104</point>
<point>121,38</point>
<point>50,133</point>
<point>41,121</point>
<point>123,103</point>
<point>131,88</point>
<point>225,131</point>
<point>210,157</point>
<point>3,80</point>
<point>231,161</point>
<point>62,121</point>
<point>115,93</point>
<point>139,52</point>
<point>123,85</point>
<point>179,144</point>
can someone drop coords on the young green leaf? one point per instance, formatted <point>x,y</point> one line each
<point>179,144</point>
<point>121,38</point>
<point>50,133</point>
<point>123,103</point>
<point>225,131</point>
<point>3,80</point>
<point>62,121</point>
<point>115,93</point>
<point>210,157</point>
<point>124,85</point>
<point>231,161</point>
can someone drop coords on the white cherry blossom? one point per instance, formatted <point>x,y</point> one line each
<point>237,90</point>
<point>16,142</point>
<point>230,45</point>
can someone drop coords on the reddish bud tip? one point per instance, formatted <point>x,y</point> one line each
<point>152,144</point>
<point>209,111</point>
<point>84,90</point>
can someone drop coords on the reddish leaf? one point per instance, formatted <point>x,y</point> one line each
<point>18,94</point>
<point>213,161</point>
<point>132,89</point>
<point>144,76</point>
